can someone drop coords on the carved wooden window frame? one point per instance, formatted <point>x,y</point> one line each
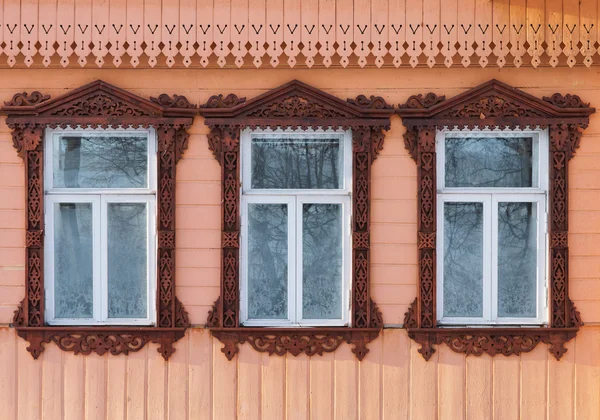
<point>99,105</point>
<point>295,105</point>
<point>494,105</point>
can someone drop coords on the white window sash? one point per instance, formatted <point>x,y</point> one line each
<point>491,197</point>
<point>294,198</point>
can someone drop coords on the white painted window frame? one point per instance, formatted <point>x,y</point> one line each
<point>490,197</point>
<point>295,198</point>
<point>100,198</point>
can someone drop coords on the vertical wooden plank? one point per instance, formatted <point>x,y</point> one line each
<point>95,387</point>
<point>451,384</point>
<point>116,393</point>
<point>178,393</point>
<point>100,29</point>
<point>371,397</point>
<point>561,387</point>
<point>224,384</point>
<point>239,33</point>
<point>534,367</point>
<point>156,367</point>
<point>187,30</point>
<point>222,35</point>
<point>206,28</point>
<point>380,30</point>
<point>588,15</point>
<point>571,30</point>
<point>397,31</point>
<point>200,373</point>
<point>587,374</point>
<point>423,384</point>
<point>506,387</point>
<point>9,381</point>
<point>345,403</point>
<point>29,384</point>
<point>344,29</point>
<point>310,31</point>
<point>117,30</point>
<point>135,30</point>
<point>273,387</point>
<point>449,30</point>
<point>136,384</point>
<point>12,30</point>
<point>83,30</point>
<point>30,28</point>
<point>518,30</point>
<point>52,384</point>
<point>292,29</point>
<point>74,386</point>
<point>47,30</point>
<point>431,29</point>
<point>297,387</point>
<point>466,30</point>
<point>483,30</point>
<point>362,30</point>
<point>414,31</point>
<point>553,26</point>
<point>152,30</point>
<point>249,383</point>
<point>170,30</point>
<point>327,30</point>
<point>395,374</point>
<point>535,30</point>
<point>478,378</point>
<point>501,31</point>
<point>258,29</point>
<point>321,386</point>
<point>274,30</point>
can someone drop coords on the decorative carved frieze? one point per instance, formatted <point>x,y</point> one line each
<point>567,101</point>
<point>421,101</point>
<point>25,99</point>
<point>177,101</point>
<point>218,101</point>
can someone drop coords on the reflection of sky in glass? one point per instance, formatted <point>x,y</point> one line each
<point>489,162</point>
<point>300,163</point>
<point>100,161</point>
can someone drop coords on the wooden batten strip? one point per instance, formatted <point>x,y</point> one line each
<point>326,33</point>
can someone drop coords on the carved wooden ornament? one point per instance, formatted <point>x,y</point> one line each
<point>494,105</point>
<point>99,104</point>
<point>295,105</point>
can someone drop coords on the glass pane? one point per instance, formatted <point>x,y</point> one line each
<point>517,260</point>
<point>489,162</point>
<point>267,261</point>
<point>463,259</point>
<point>127,260</point>
<point>100,162</point>
<point>297,162</point>
<point>322,261</point>
<point>73,260</point>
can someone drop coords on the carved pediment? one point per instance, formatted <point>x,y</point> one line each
<point>295,106</point>
<point>491,106</point>
<point>100,105</point>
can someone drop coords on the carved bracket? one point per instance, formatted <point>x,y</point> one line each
<point>99,104</point>
<point>295,105</point>
<point>493,105</point>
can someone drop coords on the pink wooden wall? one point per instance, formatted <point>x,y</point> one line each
<point>393,382</point>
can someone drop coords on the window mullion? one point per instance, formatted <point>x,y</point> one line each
<point>492,269</point>
<point>101,271</point>
<point>298,203</point>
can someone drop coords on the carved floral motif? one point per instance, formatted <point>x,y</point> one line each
<point>491,106</point>
<point>567,101</point>
<point>218,101</point>
<point>99,104</point>
<point>296,106</point>
<point>422,102</point>
<point>24,99</point>
<point>373,102</point>
<point>177,101</point>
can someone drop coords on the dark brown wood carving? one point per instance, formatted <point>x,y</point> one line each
<point>295,104</point>
<point>493,104</point>
<point>99,104</point>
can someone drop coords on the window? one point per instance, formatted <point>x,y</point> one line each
<point>100,226</point>
<point>491,206</point>
<point>296,200</point>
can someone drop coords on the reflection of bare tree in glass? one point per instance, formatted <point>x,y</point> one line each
<point>463,259</point>
<point>517,245</point>
<point>103,162</point>
<point>267,261</point>
<point>322,261</point>
<point>127,260</point>
<point>73,272</point>
<point>488,162</point>
<point>296,163</point>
